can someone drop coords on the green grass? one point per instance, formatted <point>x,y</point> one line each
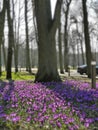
<point>18,76</point>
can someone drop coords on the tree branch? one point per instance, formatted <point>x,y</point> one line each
<point>56,19</point>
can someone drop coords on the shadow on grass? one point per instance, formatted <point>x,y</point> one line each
<point>6,88</point>
<point>24,77</point>
<point>18,76</point>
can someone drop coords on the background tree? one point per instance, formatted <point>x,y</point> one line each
<point>16,34</point>
<point>28,64</point>
<point>60,49</point>
<point>81,45</point>
<point>66,11</point>
<point>76,22</point>
<point>60,42</point>
<point>2,21</point>
<point>87,38</point>
<point>10,41</point>
<point>73,43</point>
<point>4,52</point>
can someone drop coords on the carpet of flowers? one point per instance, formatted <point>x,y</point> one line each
<point>70,105</point>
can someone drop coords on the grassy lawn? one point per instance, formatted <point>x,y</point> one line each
<point>18,76</point>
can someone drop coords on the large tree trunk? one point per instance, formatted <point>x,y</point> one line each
<point>87,38</point>
<point>10,41</point>
<point>28,64</point>
<point>47,63</point>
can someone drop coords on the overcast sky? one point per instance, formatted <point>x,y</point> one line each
<point>53,2</point>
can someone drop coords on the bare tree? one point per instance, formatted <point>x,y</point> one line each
<point>10,41</point>
<point>2,21</point>
<point>66,11</point>
<point>16,38</point>
<point>60,49</point>
<point>0,62</point>
<point>73,44</point>
<point>87,38</point>
<point>4,52</point>
<point>34,22</point>
<point>81,44</point>
<point>28,64</point>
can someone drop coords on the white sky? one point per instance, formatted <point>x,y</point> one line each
<point>53,2</point>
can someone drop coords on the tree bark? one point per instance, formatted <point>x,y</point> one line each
<point>2,21</point>
<point>15,43</point>
<point>4,53</point>
<point>34,22</point>
<point>0,62</point>
<point>10,41</point>
<point>81,43</point>
<point>60,51</point>
<point>16,48</point>
<point>46,26</point>
<point>28,64</point>
<point>74,57</point>
<point>66,38</point>
<point>87,38</point>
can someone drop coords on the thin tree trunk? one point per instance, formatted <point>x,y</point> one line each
<point>15,43</point>
<point>78,58</point>
<point>81,43</point>
<point>16,48</point>
<point>66,53</point>
<point>0,62</point>
<point>2,21</point>
<point>78,54</point>
<point>60,51</point>
<point>66,39</point>
<point>4,53</point>
<point>34,22</point>
<point>74,57</point>
<point>87,38</point>
<point>28,64</point>
<point>10,41</point>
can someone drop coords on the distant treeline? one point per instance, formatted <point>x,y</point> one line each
<point>74,60</point>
